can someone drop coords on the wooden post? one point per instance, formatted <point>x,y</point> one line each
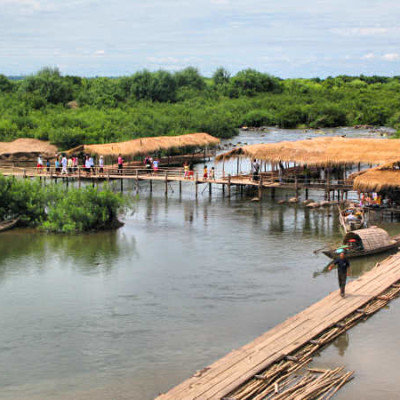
<point>223,190</point>
<point>79,177</point>
<point>166,182</point>
<point>328,184</point>
<point>260,187</point>
<point>296,187</point>
<point>273,193</point>
<point>122,185</point>
<point>196,184</point>
<point>209,188</point>
<point>137,181</point>
<point>24,173</point>
<point>306,194</point>
<point>151,185</point>
<point>229,185</point>
<point>180,187</point>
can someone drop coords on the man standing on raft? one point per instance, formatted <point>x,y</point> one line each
<point>343,267</point>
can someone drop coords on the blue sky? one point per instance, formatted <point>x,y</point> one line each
<point>286,38</point>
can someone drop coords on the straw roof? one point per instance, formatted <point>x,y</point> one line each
<point>372,238</point>
<point>148,145</point>
<point>386,176</point>
<point>26,149</point>
<point>322,151</point>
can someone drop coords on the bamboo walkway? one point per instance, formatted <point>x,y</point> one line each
<point>244,373</point>
<point>168,175</point>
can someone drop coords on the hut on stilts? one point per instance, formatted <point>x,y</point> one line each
<point>328,160</point>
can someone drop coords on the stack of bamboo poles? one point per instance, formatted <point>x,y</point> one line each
<point>280,375</point>
<point>313,384</point>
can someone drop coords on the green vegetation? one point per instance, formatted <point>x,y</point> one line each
<point>54,208</point>
<point>70,110</point>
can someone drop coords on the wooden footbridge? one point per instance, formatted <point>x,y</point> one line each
<point>166,175</point>
<point>257,369</point>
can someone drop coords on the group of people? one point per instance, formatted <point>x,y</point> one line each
<point>188,171</point>
<point>372,199</point>
<point>64,165</point>
<point>151,165</point>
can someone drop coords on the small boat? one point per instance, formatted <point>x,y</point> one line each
<point>365,242</point>
<point>9,224</point>
<point>351,218</point>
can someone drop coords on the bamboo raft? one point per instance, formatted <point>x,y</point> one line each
<point>258,369</point>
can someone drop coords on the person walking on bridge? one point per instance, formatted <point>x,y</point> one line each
<point>343,267</point>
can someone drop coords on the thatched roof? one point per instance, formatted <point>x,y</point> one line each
<point>372,238</point>
<point>386,176</point>
<point>322,151</point>
<point>26,149</point>
<point>148,145</point>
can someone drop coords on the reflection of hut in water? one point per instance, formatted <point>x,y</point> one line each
<point>156,146</point>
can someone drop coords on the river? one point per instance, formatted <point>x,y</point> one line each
<point>128,314</point>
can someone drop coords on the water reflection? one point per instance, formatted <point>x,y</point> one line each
<point>88,253</point>
<point>342,343</point>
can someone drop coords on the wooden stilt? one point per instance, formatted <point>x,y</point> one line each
<point>166,182</point>
<point>209,189</point>
<point>306,194</point>
<point>180,187</point>
<point>151,185</point>
<point>260,187</point>
<point>196,184</point>
<point>137,181</point>
<point>328,184</point>
<point>229,185</point>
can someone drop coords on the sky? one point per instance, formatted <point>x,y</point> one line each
<point>286,38</point>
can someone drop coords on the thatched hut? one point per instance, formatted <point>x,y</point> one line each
<point>26,150</point>
<point>321,152</point>
<point>149,145</point>
<point>384,177</point>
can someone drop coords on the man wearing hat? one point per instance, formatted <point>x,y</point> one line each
<point>343,267</point>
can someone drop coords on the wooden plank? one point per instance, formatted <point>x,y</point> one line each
<point>226,374</point>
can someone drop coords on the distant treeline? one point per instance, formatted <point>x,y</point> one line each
<point>70,110</point>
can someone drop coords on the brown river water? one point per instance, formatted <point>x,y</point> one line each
<point>129,314</point>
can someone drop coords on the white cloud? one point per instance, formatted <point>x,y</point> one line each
<point>219,1</point>
<point>367,31</point>
<point>368,56</point>
<point>30,3</point>
<point>391,56</point>
<point>100,52</point>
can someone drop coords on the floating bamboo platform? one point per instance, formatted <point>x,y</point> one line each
<point>258,369</point>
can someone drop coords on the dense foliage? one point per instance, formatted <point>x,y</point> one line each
<point>70,110</point>
<point>57,209</point>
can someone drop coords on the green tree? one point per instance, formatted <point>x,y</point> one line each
<point>49,85</point>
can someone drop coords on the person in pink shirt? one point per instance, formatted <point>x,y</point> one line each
<point>120,164</point>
